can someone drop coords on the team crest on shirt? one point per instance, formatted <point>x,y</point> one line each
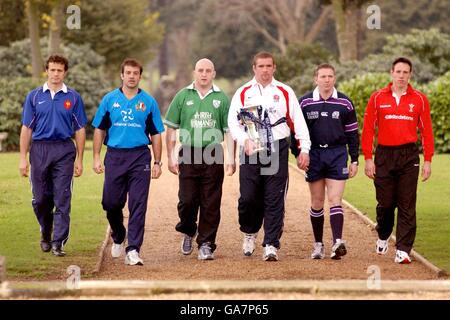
<point>140,106</point>
<point>67,104</point>
<point>276,98</point>
<point>216,103</point>
<point>335,115</point>
<point>411,107</point>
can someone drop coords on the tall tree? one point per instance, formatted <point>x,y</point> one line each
<point>281,22</point>
<point>33,28</point>
<point>12,21</point>
<point>56,25</point>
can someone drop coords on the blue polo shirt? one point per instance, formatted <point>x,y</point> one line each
<point>53,118</point>
<point>128,123</point>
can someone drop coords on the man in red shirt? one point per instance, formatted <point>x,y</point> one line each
<point>397,111</point>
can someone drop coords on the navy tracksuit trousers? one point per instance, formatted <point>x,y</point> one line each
<point>51,179</point>
<point>263,187</point>
<point>127,171</point>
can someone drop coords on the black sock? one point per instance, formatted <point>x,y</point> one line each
<point>337,222</point>
<point>317,223</point>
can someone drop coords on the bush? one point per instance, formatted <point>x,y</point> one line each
<point>12,97</point>
<point>437,93</point>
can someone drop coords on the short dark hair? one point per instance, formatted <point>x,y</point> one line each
<point>57,59</point>
<point>402,60</point>
<point>131,62</point>
<point>324,66</point>
<point>263,55</point>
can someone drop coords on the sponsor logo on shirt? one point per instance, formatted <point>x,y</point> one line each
<point>189,103</point>
<point>397,117</point>
<point>140,106</point>
<point>216,103</point>
<point>67,104</point>
<point>312,115</point>
<point>335,115</point>
<point>324,114</point>
<point>127,115</point>
<point>116,105</point>
<point>385,106</point>
<point>41,102</point>
<point>203,120</point>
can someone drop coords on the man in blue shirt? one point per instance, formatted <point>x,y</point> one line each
<point>125,120</point>
<point>52,114</point>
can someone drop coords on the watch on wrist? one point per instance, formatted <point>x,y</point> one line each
<point>159,163</point>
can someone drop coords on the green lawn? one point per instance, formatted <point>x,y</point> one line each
<point>19,229</point>
<point>433,208</point>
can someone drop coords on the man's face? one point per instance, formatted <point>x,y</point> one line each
<point>55,73</point>
<point>204,74</point>
<point>131,77</point>
<point>325,79</point>
<point>401,73</point>
<point>264,70</point>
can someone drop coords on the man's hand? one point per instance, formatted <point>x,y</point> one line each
<point>173,166</point>
<point>78,167</point>
<point>24,166</point>
<point>303,161</point>
<point>230,169</point>
<point>98,166</point>
<point>156,171</point>
<point>369,168</point>
<point>249,147</point>
<point>352,170</point>
<point>426,170</point>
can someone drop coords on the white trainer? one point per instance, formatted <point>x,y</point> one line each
<point>132,258</point>
<point>248,246</point>
<point>318,251</point>
<point>382,246</point>
<point>338,250</point>
<point>402,257</point>
<point>117,249</point>
<point>270,253</point>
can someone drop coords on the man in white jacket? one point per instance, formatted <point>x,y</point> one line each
<point>263,175</point>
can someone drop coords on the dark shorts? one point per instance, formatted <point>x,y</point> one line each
<point>328,163</point>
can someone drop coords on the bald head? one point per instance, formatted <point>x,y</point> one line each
<point>204,74</point>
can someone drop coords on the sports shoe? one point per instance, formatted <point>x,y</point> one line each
<point>318,251</point>
<point>248,246</point>
<point>270,253</point>
<point>338,250</point>
<point>58,251</point>
<point>204,252</point>
<point>186,244</point>
<point>382,246</point>
<point>402,257</point>
<point>132,258</point>
<point>45,246</point>
<point>116,250</point>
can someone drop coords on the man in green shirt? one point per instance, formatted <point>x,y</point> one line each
<point>200,112</point>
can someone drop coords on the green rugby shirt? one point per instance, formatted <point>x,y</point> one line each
<point>201,121</point>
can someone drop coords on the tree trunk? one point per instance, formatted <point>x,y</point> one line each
<point>346,15</point>
<point>56,24</point>
<point>33,28</point>
<point>163,58</point>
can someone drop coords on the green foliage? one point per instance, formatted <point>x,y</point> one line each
<point>429,51</point>
<point>296,68</point>
<point>361,88</point>
<point>117,29</point>
<point>86,75</point>
<point>437,93</point>
<point>12,96</point>
<point>12,21</point>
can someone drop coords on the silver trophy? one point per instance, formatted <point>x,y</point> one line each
<point>250,119</point>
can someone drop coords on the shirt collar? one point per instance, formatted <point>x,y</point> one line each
<point>63,88</point>
<point>316,94</point>
<point>273,83</point>
<point>214,88</point>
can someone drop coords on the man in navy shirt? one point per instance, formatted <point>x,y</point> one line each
<point>52,114</point>
<point>125,120</point>
<point>331,120</point>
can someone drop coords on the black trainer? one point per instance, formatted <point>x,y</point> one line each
<point>58,251</point>
<point>45,246</point>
